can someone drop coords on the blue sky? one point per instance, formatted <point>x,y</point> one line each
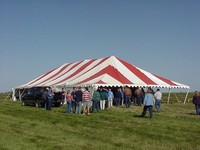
<point>162,37</point>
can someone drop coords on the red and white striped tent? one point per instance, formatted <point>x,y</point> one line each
<point>108,71</point>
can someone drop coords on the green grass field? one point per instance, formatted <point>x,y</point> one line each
<point>175,127</point>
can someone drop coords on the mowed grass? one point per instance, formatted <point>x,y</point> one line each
<point>175,127</point>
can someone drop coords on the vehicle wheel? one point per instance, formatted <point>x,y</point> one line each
<point>58,104</point>
<point>37,104</point>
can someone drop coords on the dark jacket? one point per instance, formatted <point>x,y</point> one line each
<point>103,95</point>
<point>96,96</point>
<point>79,95</point>
<point>196,100</point>
<point>118,95</point>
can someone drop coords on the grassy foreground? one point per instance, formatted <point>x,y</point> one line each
<point>176,127</point>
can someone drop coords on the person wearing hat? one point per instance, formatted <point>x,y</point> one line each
<point>148,103</point>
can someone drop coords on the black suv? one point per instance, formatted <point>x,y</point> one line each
<point>36,96</point>
<point>59,97</point>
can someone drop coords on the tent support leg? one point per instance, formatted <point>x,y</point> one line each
<point>169,95</point>
<point>20,94</point>
<point>13,95</point>
<point>186,96</point>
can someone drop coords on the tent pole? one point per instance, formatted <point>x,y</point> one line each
<point>13,95</point>
<point>7,96</point>
<point>186,96</point>
<point>20,95</point>
<point>169,95</point>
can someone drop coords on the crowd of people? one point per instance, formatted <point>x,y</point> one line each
<point>81,101</point>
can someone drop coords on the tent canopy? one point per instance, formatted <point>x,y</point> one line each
<point>108,71</point>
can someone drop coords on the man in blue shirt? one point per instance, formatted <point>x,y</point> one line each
<point>49,96</point>
<point>148,103</point>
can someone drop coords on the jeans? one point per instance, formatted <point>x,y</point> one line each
<point>118,102</point>
<point>127,101</point>
<point>197,107</point>
<point>95,105</point>
<point>45,103</point>
<point>49,103</point>
<point>158,104</point>
<point>138,100</point>
<point>68,107</point>
<point>145,110</point>
<point>73,105</point>
<point>78,107</point>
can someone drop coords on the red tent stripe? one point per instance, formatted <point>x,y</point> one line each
<point>100,82</point>
<point>166,80</point>
<point>137,72</point>
<point>82,68</point>
<point>74,65</point>
<point>110,70</point>
<point>42,76</point>
<point>54,74</point>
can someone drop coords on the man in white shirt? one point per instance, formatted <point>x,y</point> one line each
<point>158,97</point>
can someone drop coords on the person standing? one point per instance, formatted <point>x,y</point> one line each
<point>118,97</point>
<point>78,100</point>
<point>110,98</point>
<point>138,94</point>
<point>158,98</point>
<point>50,96</point>
<point>69,101</point>
<point>73,99</point>
<point>196,102</point>
<point>95,100</point>
<point>148,103</point>
<point>103,97</point>
<point>46,98</point>
<point>127,96</point>
<point>86,101</point>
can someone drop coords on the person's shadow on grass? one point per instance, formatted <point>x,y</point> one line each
<point>138,116</point>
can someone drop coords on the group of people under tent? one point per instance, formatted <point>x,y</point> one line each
<point>81,101</point>
<point>84,101</point>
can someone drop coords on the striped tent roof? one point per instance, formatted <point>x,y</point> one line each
<point>108,71</point>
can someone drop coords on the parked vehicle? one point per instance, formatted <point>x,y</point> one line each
<point>59,97</point>
<point>36,96</point>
